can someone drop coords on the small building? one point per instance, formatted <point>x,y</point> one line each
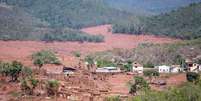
<point>108,70</point>
<point>68,70</point>
<point>199,67</point>
<point>191,66</point>
<point>164,69</point>
<point>137,68</point>
<point>176,69</point>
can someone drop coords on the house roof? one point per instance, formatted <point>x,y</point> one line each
<point>110,68</point>
<point>69,68</point>
<point>188,61</point>
<point>176,66</point>
<point>136,64</point>
<point>163,66</point>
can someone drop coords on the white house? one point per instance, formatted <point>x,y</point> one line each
<point>199,67</point>
<point>191,66</point>
<point>137,68</point>
<point>176,69</point>
<point>108,70</point>
<point>164,69</point>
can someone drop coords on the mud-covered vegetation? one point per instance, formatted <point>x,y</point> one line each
<point>45,57</point>
<point>151,55</point>
<point>71,35</point>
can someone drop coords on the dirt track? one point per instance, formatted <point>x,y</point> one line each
<point>21,50</point>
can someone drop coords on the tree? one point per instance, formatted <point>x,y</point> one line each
<point>46,57</point>
<point>128,66</point>
<point>77,54</point>
<point>15,69</point>
<point>151,73</point>
<point>26,72</point>
<point>90,62</point>
<point>52,87</point>
<point>192,77</point>
<point>12,70</point>
<point>149,65</point>
<point>39,63</point>
<point>139,84</point>
<point>28,85</point>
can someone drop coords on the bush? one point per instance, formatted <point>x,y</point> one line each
<point>151,73</point>
<point>72,36</point>
<point>28,85</point>
<point>45,57</point>
<point>113,98</point>
<point>149,65</point>
<point>105,63</point>
<point>192,77</point>
<point>128,66</point>
<point>77,54</point>
<point>139,84</point>
<point>187,92</point>
<point>26,72</point>
<point>52,87</point>
<point>12,69</point>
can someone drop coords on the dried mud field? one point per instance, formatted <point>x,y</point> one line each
<point>21,50</point>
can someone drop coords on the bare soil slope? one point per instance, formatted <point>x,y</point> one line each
<point>21,50</point>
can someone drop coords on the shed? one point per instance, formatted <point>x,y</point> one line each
<point>68,70</point>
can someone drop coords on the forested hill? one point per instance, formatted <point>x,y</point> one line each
<point>70,13</point>
<point>149,7</point>
<point>184,23</point>
<point>17,24</point>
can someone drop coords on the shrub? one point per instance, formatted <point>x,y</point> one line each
<point>139,84</point>
<point>28,85</point>
<point>12,69</point>
<point>151,73</point>
<point>187,92</point>
<point>105,63</point>
<point>52,87</point>
<point>77,54</point>
<point>26,72</point>
<point>113,98</point>
<point>148,65</point>
<point>192,77</point>
<point>45,57</point>
<point>128,66</point>
<point>72,37</point>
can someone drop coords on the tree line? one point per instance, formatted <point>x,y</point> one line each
<point>183,23</point>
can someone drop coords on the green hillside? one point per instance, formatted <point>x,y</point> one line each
<point>184,23</point>
<point>70,13</point>
<point>17,24</point>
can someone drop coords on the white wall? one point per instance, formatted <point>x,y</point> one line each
<point>164,69</point>
<point>138,69</point>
